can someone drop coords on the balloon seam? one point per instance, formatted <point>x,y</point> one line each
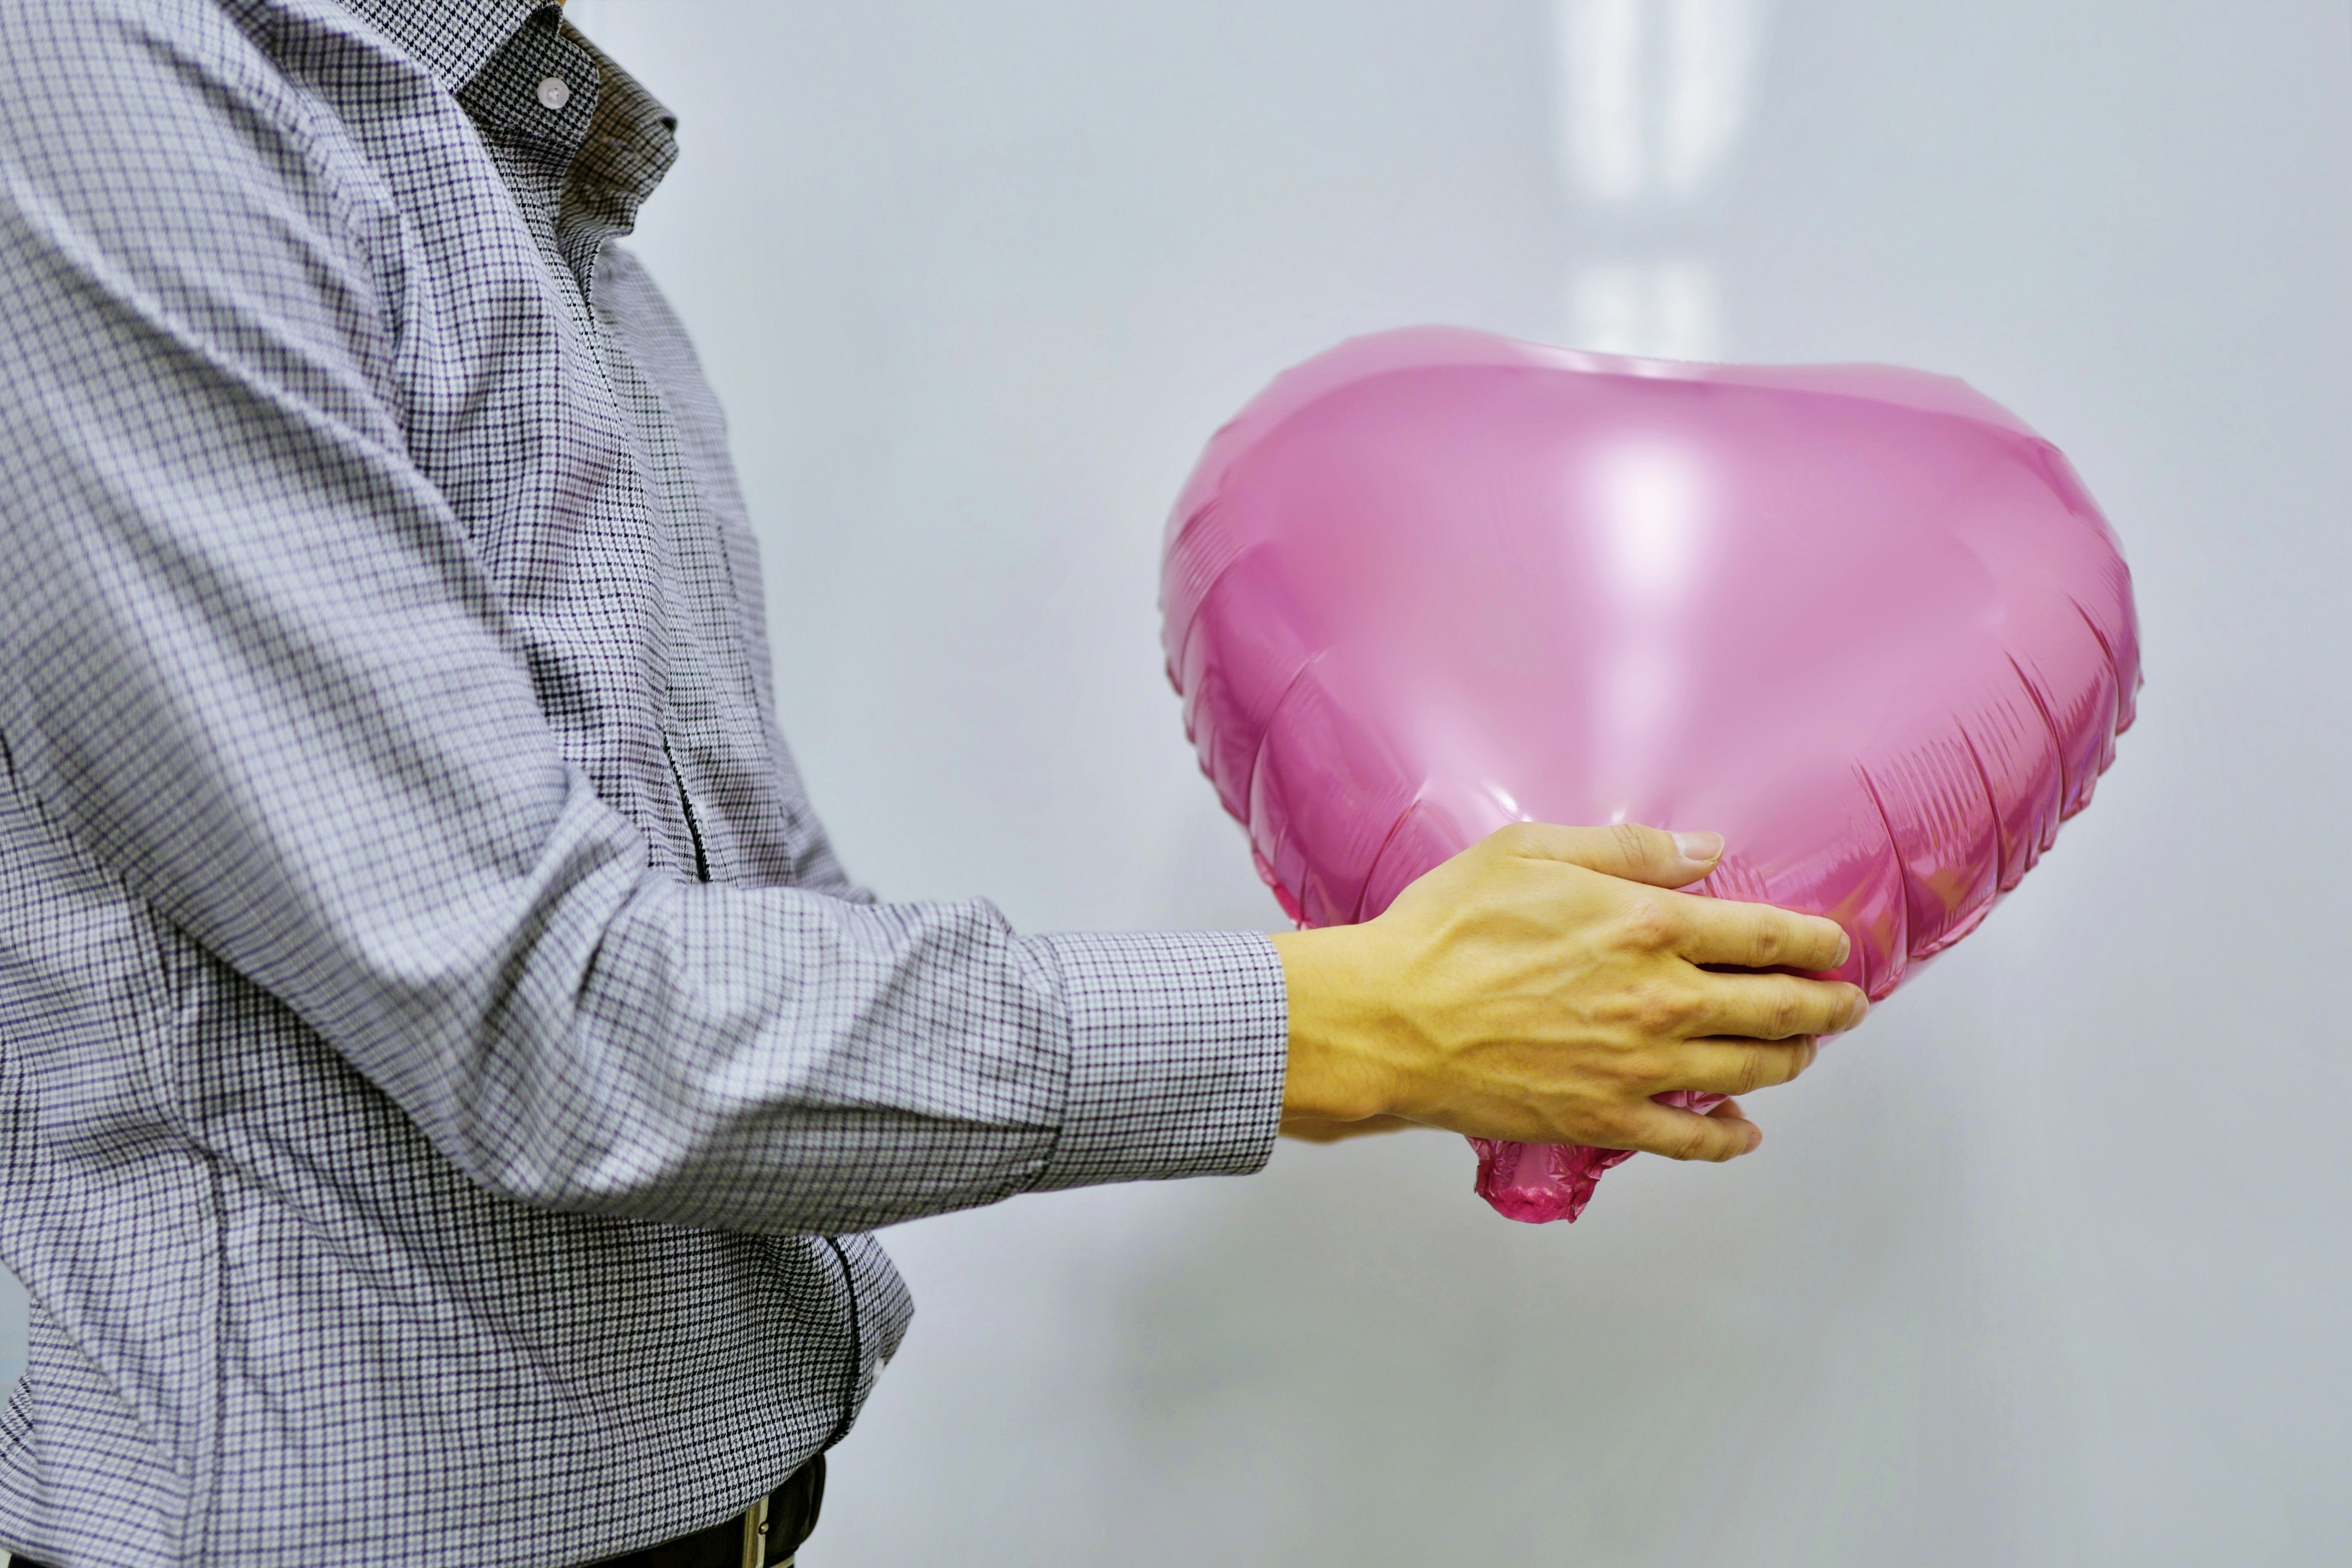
<point>1992,810</point>
<point>1900,951</point>
<point>1379,856</point>
<point>1257,761</point>
<point>2115,720</point>
<point>2057,741</point>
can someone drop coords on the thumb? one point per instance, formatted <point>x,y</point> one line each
<point>1637,854</point>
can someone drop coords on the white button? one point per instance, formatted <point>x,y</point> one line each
<point>554,93</point>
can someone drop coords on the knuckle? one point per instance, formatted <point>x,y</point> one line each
<point>1613,1127</point>
<point>1784,1062</point>
<point>1638,1071</point>
<point>1764,942</point>
<point>1648,927</point>
<point>1694,1139</point>
<point>1514,837</point>
<point>1632,841</point>
<point>1824,1005</point>
<point>1661,1009</point>
<point>1756,1070</point>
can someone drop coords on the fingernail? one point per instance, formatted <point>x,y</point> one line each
<point>1855,1012</point>
<point>1699,848</point>
<point>1845,950</point>
<point>1755,1137</point>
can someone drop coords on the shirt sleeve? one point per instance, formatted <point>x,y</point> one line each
<point>254,666</point>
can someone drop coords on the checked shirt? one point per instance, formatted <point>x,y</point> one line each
<point>445,1074</point>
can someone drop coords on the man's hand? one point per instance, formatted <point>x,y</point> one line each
<point>1543,984</point>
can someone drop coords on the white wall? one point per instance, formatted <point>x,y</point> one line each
<point>2046,1267</point>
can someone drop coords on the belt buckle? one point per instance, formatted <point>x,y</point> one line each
<point>755,1538</point>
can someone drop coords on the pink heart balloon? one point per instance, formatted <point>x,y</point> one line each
<point>1861,621</point>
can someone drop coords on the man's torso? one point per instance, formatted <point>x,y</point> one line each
<point>334,1340</point>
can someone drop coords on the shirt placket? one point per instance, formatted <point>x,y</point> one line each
<point>584,145</point>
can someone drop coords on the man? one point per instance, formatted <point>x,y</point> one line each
<point>445,1075</point>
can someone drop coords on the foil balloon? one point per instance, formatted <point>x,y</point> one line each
<point>1861,621</point>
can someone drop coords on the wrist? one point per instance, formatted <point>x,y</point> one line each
<point>1335,1070</point>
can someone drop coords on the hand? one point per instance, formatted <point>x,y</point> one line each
<point>1542,985</point>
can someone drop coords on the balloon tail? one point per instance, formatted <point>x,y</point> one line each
<point>1536,1183</point>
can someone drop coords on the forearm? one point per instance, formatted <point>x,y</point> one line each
<point>771,1059</point>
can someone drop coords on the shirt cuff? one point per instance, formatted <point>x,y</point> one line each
<point>1178,1045</point>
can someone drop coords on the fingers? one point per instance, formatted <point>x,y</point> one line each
<point>1735,1067</point>
<point>1756,936</point>
<point>1775,1006</point>
<point>1729,1111</point>
<point>1637,854</point>
<point>1688,1135</point>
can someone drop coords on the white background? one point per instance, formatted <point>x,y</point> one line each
<point>2047,1266</point>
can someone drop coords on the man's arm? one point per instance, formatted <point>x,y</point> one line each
<point>250,661</point>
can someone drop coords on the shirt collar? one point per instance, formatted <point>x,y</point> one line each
<point>609,140</point>
<point>452,39</point>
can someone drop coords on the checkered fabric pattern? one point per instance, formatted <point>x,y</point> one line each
<point>444,1072</point>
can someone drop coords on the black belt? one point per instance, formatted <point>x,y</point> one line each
<point>764,1535</point>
